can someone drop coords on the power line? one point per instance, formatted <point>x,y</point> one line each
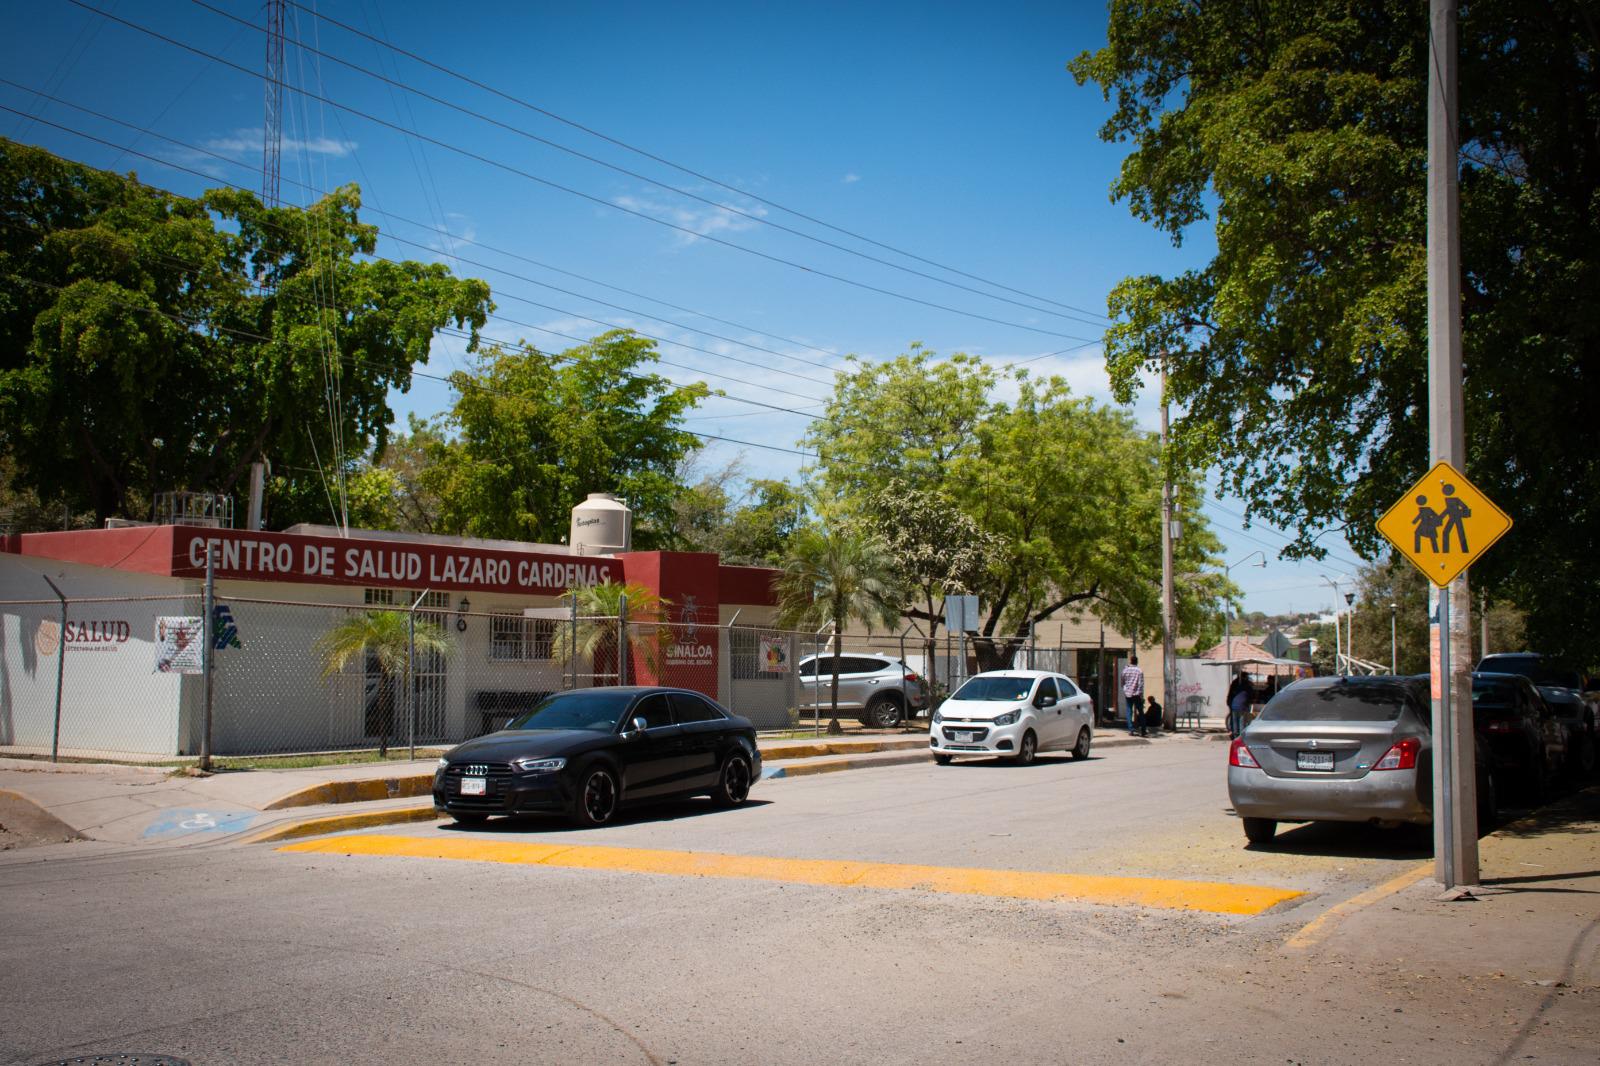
<point>191,324</point>
<point>443,232</point>
<point>528,175</point>
<point>1342,559</point>
<point>696,174</point>
<point>688,194</point>
<point>504,294</point>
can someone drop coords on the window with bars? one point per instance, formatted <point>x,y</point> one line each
<point>513,638</point>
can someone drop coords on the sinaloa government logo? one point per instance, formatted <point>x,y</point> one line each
<point>47,638</point>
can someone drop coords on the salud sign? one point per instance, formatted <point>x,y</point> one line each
<point>1443,524</point>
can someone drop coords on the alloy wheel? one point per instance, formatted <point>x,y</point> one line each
<point>599,796</point>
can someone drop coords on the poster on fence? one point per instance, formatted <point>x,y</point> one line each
<point>774,655</point>
<point>178,640</point>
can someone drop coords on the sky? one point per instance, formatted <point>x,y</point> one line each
<point>937,174</point>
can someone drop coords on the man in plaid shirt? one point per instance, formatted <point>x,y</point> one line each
<point>1133,693</point>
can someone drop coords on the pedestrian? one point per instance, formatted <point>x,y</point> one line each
<point>1152,716</point>
<point>1240,693</point>
<point>1455,509</point>
<point>1133,693</point>
<point>1427,523</point>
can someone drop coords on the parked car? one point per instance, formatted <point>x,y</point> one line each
<point>1341,749</point>
<point>1014,714</point>
<point>879,690</point>
<point>588,752</point>
<point>1521,733</point>
<point>1564,690</point>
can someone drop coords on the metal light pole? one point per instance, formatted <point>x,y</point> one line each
<point>1169,688</point>
<point>1227,610</point>
<point>1394,644</point>
<point>1455,835</point>
<point>1350,627</point>
<point>1337,650</point>
<point>61,669</point>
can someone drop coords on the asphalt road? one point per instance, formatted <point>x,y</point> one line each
<point>254,954</point>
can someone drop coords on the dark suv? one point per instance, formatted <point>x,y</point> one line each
<point>1523,738</point>
<point>1563,690</point>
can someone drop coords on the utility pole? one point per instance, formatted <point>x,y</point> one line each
<point>1455,837</point>
<point>1169,673</point>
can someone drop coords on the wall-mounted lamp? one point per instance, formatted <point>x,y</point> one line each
<point>461,614</point>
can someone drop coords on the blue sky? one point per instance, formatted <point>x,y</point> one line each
<point>948,130</point>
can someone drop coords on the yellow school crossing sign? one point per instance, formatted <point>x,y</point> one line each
<point>1443,524</point>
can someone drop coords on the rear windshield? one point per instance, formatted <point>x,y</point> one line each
<point>1493,701</point>
<point>1532,668</point>
<point>995,688</point>
<point>1336,703</point>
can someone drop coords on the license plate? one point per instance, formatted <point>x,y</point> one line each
<point>961,736</point>
<point>1314,760</point>
<point>474,786</point>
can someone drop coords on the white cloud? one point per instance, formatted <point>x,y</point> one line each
<point>250,140</point>
<point>851,178</point>
<point>700,221</point>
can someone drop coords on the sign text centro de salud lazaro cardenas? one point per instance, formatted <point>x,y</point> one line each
<point>283,557</point>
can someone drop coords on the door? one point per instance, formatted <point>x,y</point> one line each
<point>1077,713</point>
<point>651,756</point>
<point>860,678</point>
<point>1048,719</point>
<point>704,727</point>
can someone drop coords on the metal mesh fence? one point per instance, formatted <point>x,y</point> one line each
<point>122,678</point>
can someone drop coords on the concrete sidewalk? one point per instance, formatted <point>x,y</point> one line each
<point>155,806</point>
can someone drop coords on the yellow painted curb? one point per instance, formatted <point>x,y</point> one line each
<point>373,788</point>
<point>1208,896</point>
<point>803,750</point>
<point>338,823</point>
<point>779,770</point>
<point>1318,929</point>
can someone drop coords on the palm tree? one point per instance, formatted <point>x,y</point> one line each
<point>836,574</point>
<point>596,637</point>
<point>386,636</point>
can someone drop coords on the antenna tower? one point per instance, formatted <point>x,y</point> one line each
<point>272,128</point>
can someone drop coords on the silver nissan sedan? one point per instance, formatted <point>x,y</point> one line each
<point>1337,749</point>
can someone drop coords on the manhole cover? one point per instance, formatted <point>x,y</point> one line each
<point>118,1058</point>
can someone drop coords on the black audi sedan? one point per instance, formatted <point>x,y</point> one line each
<point>587,752</point>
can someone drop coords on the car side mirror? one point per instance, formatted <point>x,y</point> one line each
<point>637,726</point>
<point>1045,701</point>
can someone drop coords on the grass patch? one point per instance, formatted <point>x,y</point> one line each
<point>330,758</point>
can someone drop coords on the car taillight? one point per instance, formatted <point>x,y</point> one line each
<point>1239,755</point>
<point>1500,725</point>
<point>912,679</point>
<point>1403,756</point>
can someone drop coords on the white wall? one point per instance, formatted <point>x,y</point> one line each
<point>112,698</point>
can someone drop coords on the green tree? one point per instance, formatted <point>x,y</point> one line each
<point>531,434</point>
<point>1297,354</point>
<point>836,574</point>
<point>596,638</point>
<point>760,527</point>
<point>1072,491</point>
<point>935,549</point>
<point>909,418</point>
<point>383,638</point>
<point>153,342</point>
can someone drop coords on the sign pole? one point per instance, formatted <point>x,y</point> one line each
<point>61,670</point>
<point>1454,780</point>
<point>207,609</point>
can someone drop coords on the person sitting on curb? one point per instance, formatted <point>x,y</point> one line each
<point>1152,717</point>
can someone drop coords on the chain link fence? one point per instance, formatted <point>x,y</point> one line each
<point>124,677</point>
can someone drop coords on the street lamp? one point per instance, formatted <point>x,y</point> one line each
<point>1331,583</point>
<point>1227,608</point>
<point>1350,628</point>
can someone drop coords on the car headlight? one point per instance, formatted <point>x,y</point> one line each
<point>937,717</point>
<point>443,762</point>
<point>1010,717</point>
<point>537,766</point>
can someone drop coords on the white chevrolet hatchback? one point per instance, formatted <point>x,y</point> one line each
<point>1014,714</point>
